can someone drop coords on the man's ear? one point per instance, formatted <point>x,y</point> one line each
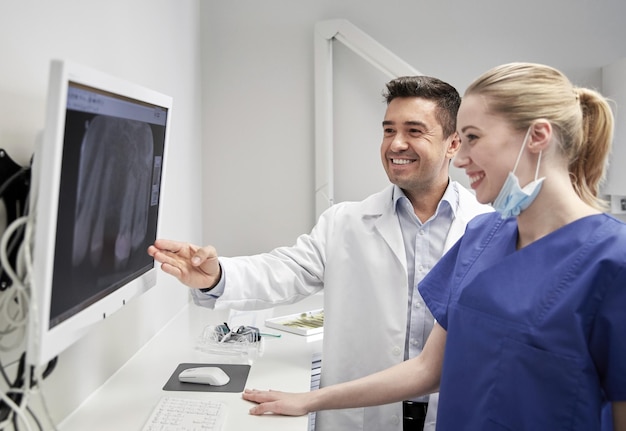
<point>454,144</point>
<point>540,135</point>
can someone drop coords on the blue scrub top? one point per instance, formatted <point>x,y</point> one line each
<point>536,338</point>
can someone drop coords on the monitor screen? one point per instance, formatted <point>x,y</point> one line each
<point>98,173</point>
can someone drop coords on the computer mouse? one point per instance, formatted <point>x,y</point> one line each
<point>214,376</point>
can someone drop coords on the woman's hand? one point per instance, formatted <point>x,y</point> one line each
<point>412,378</point>
<point>281,403</point>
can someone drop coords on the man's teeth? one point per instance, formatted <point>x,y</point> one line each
<point>400,161</point>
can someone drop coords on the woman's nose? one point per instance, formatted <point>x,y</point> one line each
<point>461,159</point>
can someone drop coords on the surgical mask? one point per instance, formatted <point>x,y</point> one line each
<point>513,199</point>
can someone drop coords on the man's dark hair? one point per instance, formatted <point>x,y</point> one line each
<point>443,94</point>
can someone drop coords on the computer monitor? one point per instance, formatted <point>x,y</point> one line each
<point>97,177</point>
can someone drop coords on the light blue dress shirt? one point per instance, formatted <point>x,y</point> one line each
<point>424,245</point>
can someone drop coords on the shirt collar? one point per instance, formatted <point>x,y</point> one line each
<point>450,197</point>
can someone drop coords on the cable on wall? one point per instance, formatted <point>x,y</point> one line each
<point>16,296</point>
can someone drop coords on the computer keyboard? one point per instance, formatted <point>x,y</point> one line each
<point>186,414</point>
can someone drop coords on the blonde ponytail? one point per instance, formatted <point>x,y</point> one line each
<point>588,168</point>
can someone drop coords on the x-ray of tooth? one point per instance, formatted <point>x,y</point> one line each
<point>108,228</point>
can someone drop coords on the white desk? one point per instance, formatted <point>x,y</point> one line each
<point>126,400</point>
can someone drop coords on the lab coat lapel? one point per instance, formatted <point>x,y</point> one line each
<point>457,229</point>
<point>387,226</point>
<point>386,222</point>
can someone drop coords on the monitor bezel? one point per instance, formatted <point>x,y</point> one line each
<point>45,343</point>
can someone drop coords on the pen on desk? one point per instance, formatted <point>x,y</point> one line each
<point>270,335</point>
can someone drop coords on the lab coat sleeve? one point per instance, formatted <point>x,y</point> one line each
<point>282,276</point>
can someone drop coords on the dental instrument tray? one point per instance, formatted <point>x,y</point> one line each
<point>306,323</point>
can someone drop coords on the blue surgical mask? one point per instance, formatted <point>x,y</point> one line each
<point>513,199</point>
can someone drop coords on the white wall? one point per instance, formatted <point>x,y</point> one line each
<point>151,42</point>
<point>258,71</point>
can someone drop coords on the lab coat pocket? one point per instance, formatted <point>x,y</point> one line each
<point>534,389</point>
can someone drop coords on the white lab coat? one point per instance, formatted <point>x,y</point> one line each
<point>356,254</point>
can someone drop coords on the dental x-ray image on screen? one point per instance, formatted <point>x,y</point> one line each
<point>106,227</point>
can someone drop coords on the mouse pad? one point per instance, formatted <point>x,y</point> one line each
<point>238,376</point>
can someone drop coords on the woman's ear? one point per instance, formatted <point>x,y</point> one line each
<point>540,135</point>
